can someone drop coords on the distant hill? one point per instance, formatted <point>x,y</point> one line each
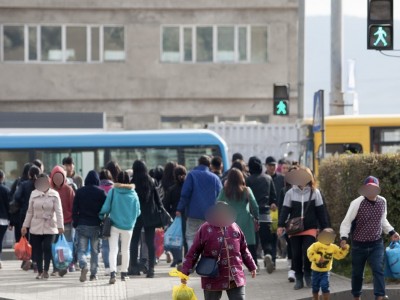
<point>377,76</point>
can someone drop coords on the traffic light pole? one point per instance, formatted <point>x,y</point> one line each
<point>336,102</point>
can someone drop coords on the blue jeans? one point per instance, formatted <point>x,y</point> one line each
<point>86,234</point>
<point>374,254</point>
<point>320,280</point>
<point>105,252</point>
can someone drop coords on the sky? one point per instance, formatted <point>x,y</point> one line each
<point>376,76</point>
<point>356,8</point>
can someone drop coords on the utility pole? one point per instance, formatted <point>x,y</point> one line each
<point>300,55</point>
<point>336,102</point>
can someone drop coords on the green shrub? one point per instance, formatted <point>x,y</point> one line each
<point>340,177</point>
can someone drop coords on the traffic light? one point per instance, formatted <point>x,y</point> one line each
<point>281,100</point>
<point>380,25</point>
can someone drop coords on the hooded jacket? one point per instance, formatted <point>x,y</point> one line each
<point>313,208</point>
<point>66,193</point>
<point>106,185</point>
<point>122,203</point>
<point>88,202</point>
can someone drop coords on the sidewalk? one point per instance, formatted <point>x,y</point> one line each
<point>20,285</point>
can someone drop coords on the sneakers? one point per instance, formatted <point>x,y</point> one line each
<point>93,278</point>
<point>54,274</point>
<point>291,276</point>
<point>71,268</point>
<point>39,276</point>
<point>83,276</point>
<point>150,274</point>
<point>27,265</point>
<point>62,272</point>
<point>169,258</point>
<point>107,272</point>
<point>112,278</point>
<point>268,263</point>
<point>124,276</point>
<point>45,275</point>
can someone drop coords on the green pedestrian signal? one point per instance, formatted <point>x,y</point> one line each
<point>380,37</point>
<point>281,100</point>
<point>281,108</point>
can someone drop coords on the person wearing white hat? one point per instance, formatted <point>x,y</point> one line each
<point>366,219</point>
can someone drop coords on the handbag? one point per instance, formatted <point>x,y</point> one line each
<point>208,266</point>
<point>296,225</point>
<point>107,223</point>
<point>255,221</point>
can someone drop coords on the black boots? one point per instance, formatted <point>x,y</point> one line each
<point>124,276</point>
<point>299,282</point>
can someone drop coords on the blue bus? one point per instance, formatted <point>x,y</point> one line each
<point>93,150</point>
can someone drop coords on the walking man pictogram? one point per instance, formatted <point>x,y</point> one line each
<point>281,108</point>
<point>381,36</point>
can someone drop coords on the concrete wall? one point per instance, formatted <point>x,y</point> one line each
<point>142,88</point>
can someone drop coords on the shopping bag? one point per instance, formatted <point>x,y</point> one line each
<point>392,268</point>
<point>22,249</point>
<point>173,238</point>
<point>274,220</point>
<point>159,242</point>
<point>62,253</point>
<point>182,292</point>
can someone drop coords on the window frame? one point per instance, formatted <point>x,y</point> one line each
<point>64,60</point>
<point>193,27</point>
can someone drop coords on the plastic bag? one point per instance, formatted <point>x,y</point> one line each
<point>392,268</point>
<point>62,253</point>
<point>182,292</point>
<point>159,242</point>
<point>22,249</point>
<point>173,238</point>
<point>274,220</point>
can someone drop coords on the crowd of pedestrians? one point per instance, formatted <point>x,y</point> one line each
<point>225,215</point>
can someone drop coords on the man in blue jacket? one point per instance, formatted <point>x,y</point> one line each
<point>199,193</point>
<point>88,202</point>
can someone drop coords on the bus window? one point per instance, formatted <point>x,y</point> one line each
<point>191,155</point>
<point>152,156</point>
<point>12,163</point>
<point>385,140</point>
<point>307,154</point>
<point>336,149</point>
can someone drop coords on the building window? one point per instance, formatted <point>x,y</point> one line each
<point>33,43</point>
<point>76,44</point>
<point>51,44</point>
<point>204,44</point>
<point>226,44</point>
<point>13,41</point>
<point>259,44</point>
<point>187,44</point>
<point>218,44</point>
<point>170,44</point>
<point>95,44</point>
<point>62,43</point>
<point>114,43</point>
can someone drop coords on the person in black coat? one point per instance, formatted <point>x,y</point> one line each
<point>150,205</point>
<point>171,201</point>
<point>15,217</point>
<point>264,191</point>
<point>88,202</point>
<point>4,208</point>
<point>23,193</point>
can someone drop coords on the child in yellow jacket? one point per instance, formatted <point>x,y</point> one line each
<point>321,255</point>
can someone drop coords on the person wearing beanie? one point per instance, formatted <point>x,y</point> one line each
<point>279,180</point>
<point>264,191</point>
<point>370,213</point>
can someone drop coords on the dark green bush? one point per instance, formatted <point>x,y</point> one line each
<point>340,177</point>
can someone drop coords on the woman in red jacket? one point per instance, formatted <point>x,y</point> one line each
<point>221,238</point>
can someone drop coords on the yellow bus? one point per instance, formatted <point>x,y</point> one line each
<point>350,134</point>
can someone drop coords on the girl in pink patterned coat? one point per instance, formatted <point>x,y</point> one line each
<point>220,228</point>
